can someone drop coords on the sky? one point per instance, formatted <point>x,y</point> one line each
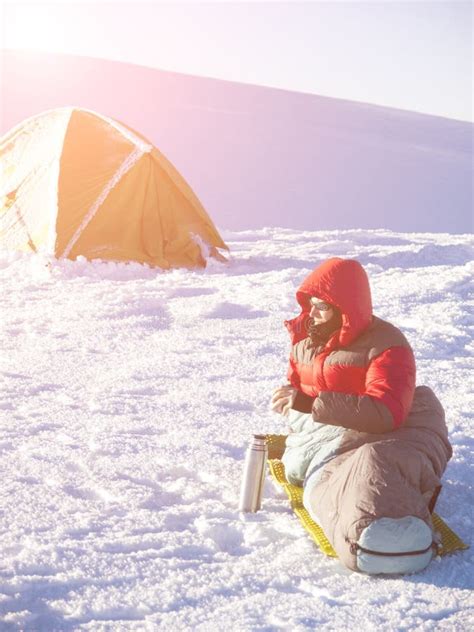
<point>414,55</point>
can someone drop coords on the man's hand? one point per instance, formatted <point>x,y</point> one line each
<point>283,399</point>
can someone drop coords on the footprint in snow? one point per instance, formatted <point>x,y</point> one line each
<point>160,499</point>
<point>224,536</point>
<point>235,407</point>
<point>84,493</point>
<point>178,522</point>
<point>190,292</point>
<point>235,452</point>
<point>229,311</point>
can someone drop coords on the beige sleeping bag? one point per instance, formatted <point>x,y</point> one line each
<point>373,493</point>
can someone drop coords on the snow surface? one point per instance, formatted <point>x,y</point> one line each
<point>128,397</point>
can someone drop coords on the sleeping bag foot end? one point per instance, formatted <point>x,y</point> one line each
<point>394,546</point>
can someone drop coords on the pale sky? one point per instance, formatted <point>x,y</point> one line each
<point>415,55</point>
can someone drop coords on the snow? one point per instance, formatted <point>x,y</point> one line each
<point>128,396</point>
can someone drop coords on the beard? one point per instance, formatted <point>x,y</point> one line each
<point>320,333</point>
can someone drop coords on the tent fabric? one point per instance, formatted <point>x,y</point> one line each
<point>74,182</point>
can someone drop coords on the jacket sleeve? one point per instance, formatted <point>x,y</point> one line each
<point>292,374</point>
<point>386,401</point>
<point>303,403</point>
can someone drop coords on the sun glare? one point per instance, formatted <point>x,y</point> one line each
<point>32,28</point>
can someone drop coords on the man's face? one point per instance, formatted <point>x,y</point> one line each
<point>320,311</point>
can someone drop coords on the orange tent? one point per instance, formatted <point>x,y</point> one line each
<point>74,183</point>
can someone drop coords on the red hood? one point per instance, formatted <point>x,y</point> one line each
<point>343,283</point>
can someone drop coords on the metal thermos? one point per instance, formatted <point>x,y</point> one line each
<point>254,474</point>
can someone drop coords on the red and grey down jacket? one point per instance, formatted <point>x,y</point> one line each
<point>364,377</point>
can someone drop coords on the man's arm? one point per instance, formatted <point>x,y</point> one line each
<point>292,374</point>
<point>386,402</point>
